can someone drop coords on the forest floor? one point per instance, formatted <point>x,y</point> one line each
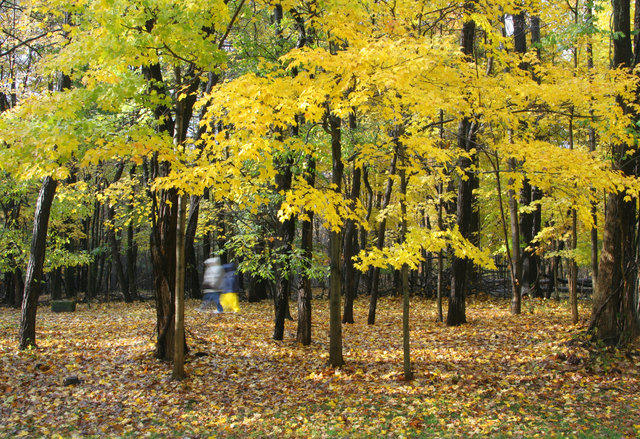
<point>533,375</point>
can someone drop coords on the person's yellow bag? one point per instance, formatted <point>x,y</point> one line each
<point>230,302</point>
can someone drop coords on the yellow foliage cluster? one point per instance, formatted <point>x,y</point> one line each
<point>392,72</point>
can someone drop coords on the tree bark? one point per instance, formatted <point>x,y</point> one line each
<point>350,250</point>
<point>116,259</point>
<point>179,345</point>
<point>516,259</point>
<point>55,284</point>
<point>614,318</point>
<point>571,261</point>
<point>406,335</point>
<point>440,275</point>
<point>131,262</point>
<point>460,267</point>
<point>375,287</point>
<point>132,252</point>
<point>164,216</point>
<point>35,266</point>
<point>305,295</point>
<point>335,242</point>
<point>192,277</point>
<point>285,236</point>
<point>593,142</point>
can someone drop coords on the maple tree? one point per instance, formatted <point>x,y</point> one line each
<point>615,310</point>
<point>280,111</point>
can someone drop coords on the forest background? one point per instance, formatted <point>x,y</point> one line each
<point>371,148</point>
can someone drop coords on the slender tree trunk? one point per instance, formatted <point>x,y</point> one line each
<point>519,285</point>
<point>364,234</point>
<point>192,277</point>
<point>439,286</point>
<point>14,286</point>
<point>179,345</point>
<point>34,276</point>
<point>113,243</point>
<point>593,144</point>
<point>375,288</point>
<point>571,261</point>
<point>286,229</point>
<point>406,336</point>
<point>92,270</point>
<point>286,234</point>
<point>534,266</point>
<point>350,246</point>
<point>440,274</point>
<point>516,264</point>
<point>335,241</point>
<point>527,228</point>
<point>131,251</point>
<point>206,239</point>
<point>460,267</point>
<point>131,262</point>
<point>305,296</point>
<point>55,284</point>
<point>117,261</point>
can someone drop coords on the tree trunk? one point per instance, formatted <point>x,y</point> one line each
<point>285,233</point>
<point>375,287</point>
<point>571,261</point>
<point>14,286</point>
<point>335,326</point>
<point>593,144</point>
<point>533,260</point>
<point>114,244</point>
<point>164,214</point>
<point>305,295</point>
<point>350,250</point>
<point>440,260</point>
<point>206,239</point>
<point>406,336</point>
<point>192,277</point>
<point>440,274</point>
<point>614,318</point>
<point>55,284</point>
<point>93,242</point>
<point>131,262</point>
<point>528,231</point>
<point>132,252</point>
<point>34,276</point>
<point>460,267</point>
<point>179,345</point>
<point>516,259</point>
<point>117,260</point>
<point>364,234</point>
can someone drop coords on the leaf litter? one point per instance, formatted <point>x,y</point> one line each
<point>533,375</point>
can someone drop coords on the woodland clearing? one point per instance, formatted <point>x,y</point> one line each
<point>532,375</point>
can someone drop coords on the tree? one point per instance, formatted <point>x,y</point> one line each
<point>179,345</point>
<point>33,281</point>
<point>461,266</point>
<point>614,316</point>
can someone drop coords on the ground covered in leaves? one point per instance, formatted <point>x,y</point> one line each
<point>532,375</point>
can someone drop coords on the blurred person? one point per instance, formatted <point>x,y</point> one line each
<point>212,283</point>
<point>230,289</point>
